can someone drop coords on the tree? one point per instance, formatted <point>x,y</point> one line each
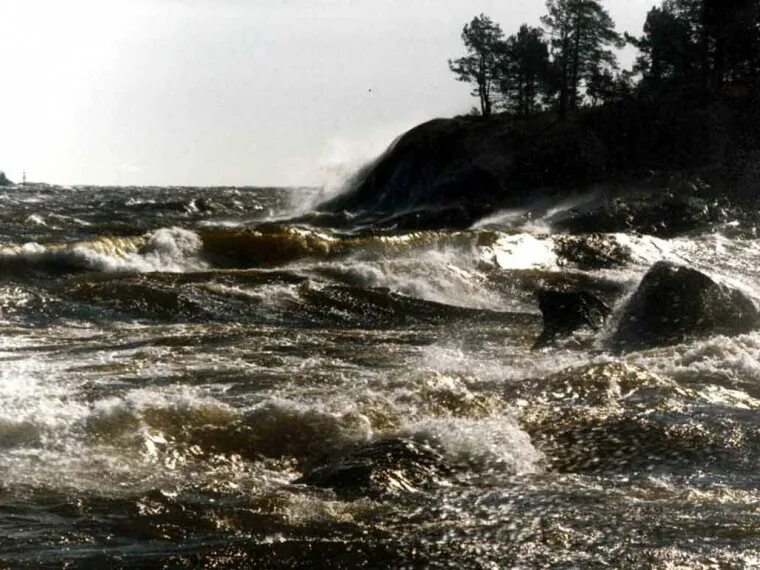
<point>605,87</point>
<point>482,38</point>
<point>582,34</point>
<point>601,86</point>
<point>730,39</point>
<point>523,69</point>
<point>668,48</point>
<point>709,43</point>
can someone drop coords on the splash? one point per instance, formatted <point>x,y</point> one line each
<point>168,249</point>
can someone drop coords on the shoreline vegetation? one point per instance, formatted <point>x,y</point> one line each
<point>557,118</point>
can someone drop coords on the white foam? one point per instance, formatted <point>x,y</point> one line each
<point>166,249</point>
<point>274,295</point>
<point>432,275</point>
<point>521,251</point>
<point>172,249</point>
<point>503,219</point>
<point>734,361</point>
<point>493,443</point>
<point>36,219</point>
<point>727,260</point>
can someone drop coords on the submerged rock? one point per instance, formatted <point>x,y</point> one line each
<point>568,311</point>
<point>381,467</point>
<point>674,303</point>
<point>592,251</point>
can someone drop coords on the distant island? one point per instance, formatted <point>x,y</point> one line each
<point>678,135</point>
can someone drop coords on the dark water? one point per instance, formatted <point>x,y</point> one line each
<point>174,360</point>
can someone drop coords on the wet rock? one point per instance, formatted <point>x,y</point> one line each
<point>525,284</point>
<point>452,172</point>
<point>568,311</point>
<point>674,303</point>
<point>592,251</point>
<point>665,216</point>
<point>203,205</point>
<point>381,467</point>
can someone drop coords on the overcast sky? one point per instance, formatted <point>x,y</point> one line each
<point>243,92</point>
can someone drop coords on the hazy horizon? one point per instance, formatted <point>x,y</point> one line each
<point>201,92</point>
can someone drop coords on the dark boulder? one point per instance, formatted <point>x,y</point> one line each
<point>381,467</point>
<point>655,151</point>
<point>592,251</point>
<point>568,311</point>
<point>659,215</point>
<point>674,303</point>
<point>452,172</point>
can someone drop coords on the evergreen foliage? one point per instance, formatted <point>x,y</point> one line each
<point>707,48</point>
<point>523,70</point>
<point>583,34</point>
<point>482,39</point>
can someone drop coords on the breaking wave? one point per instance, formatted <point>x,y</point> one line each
<point>170,249</point>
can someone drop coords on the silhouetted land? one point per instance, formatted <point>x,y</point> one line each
<point>670,145</point>
<point>451,172</point>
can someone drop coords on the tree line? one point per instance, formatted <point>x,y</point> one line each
<point>709,46</point>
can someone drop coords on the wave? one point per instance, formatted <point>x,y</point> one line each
<point>190,434</point>
<point>274,273</point>
<point>270,245</point>
<point>612,417</point>
<point>258,296</point>
<point>169,250</point>
<point>495,443</point>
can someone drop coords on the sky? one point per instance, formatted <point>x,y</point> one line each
<point>231,92</point>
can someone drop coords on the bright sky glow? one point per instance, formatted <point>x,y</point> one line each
<point>245,92</point>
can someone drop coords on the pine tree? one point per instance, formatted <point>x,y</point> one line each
<point>605,87</point>
<point>523,68</point>
<point>482,38</point>
<point>710,43</point>
<point>582,34</point>
<point>667,47</point>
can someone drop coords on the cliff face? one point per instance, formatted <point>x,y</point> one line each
<point>451,172</point>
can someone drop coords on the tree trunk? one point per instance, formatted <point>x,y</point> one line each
<point>530,86</point>
<point>485,103</point>
<point>576,58</point>
<point>563,90</point>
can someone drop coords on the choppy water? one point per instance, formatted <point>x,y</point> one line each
<point>173,360</point>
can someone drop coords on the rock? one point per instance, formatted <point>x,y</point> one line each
<point>567,311</point>
<point>674,303</point>
<point>452,172</point>
<point>664,215</point>
<point>381,467</point>
<point>592,251</point>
